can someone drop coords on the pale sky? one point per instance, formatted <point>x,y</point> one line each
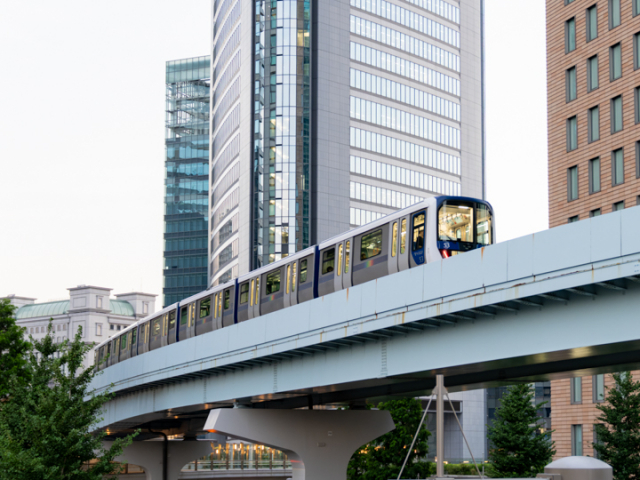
<point>82,134</point>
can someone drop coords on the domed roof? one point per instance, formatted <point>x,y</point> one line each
<point>577,463</point>
<point>43,309</point>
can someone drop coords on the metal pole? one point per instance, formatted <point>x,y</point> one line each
<point>415,437</point>
<point>439,426</point>
<point>165,453</point>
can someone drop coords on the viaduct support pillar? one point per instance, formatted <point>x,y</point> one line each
<point>149,455</point>
<point>319,442</point>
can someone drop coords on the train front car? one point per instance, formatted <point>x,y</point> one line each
<point>463,224</point>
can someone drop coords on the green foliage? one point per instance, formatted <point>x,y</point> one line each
<point>46,425</point>
<point>618,432</point>
<point>13,347</point>
<point>383,458</point>
<point>519,450</point>
<point>461,469</point>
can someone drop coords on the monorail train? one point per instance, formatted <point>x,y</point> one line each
<point>427,231</point>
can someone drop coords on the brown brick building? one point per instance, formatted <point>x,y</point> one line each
<point>593,81</point>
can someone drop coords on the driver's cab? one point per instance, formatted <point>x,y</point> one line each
<point>463,224</point>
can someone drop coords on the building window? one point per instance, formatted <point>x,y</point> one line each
<point>637,159</point>
<point>567,2</point>
<point>572,86</point>
<point>572,133</point>
<point>636,104</point>
<point>614,13</point>
<point>98,329</point>
<point>592,23</point>
<point>636,7</point>
<point>616,114</point>
<point>594,124</point>
<point>638,200</point>
<point>596,439</point>
<point>618,206</point>
<point>112,327</point>
<point>570,35</point>
<point>598,388</point>
<point>99,302</point>
<point>636,51</point>
<point>576,440</point>
<point>572,183</point>
<point>594,175</point>
<point>576,390</point>
<point>574,219</point>
<point>592,73</point>
<point>615,62</point>
<point>145,308</point>
<point>595,213</point>
<point>617,167</point>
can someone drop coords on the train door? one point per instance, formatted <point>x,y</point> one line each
<point>403,245</point>
<point>371,260</point>
<point>115,348</point>
<point>164,340</point>
<point>124,346</point>
<point>393,246</point>
<point>143,338</point>
<point>204,317</point>
<point>217,310</point>
<point>134,341</point>
<point>243,301</point>
<point>228,305</point>
<point>254,297</point>
<point>155,336</point>
<point>418,236</point>
<point>273,290</point>
<point>327,274</point>
<point>306,278</point>
<point>343,273</point>
<point>173,324</point>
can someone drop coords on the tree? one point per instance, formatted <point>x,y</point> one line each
<point>518,447</point>
<point>46,425</point>
<point>13,347</point>
<point>618,432</point>
<point>383,458</point>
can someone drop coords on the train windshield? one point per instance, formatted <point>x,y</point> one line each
<point>464,225</point>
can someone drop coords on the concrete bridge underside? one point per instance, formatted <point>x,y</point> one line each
<point>564,300</point>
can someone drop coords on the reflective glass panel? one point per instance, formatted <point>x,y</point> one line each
<point>418,232</point>
<point>328,259</point>
<point>394,241</point>
<point>371,245</point>
<point>303,270</point>
<point>403,236</point>
<point>346,256</point>
<point>455,222</point>
<point>244,293</point>
<point>273,282</point>
<point>205,307</point>
<point>483,225</point>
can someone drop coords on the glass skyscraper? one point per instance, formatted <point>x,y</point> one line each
<point>328,115</point>
<point>186,178</point>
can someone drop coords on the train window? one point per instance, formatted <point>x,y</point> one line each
<point>394,242</point>
<point>288,280</point>
<point>205,307</point>
<point>483,225</point>
<point>418,232</point>
<point>172,320</point>
<point>227,299</point>
<point>251,300</point>
<point>303,270</point>
<point>339,259</point>
<point>147,330</point>
<point>371,245</point>
<point>219,304</point>
<point>123,342</point>
<point>273,283</point>
<point>403,236</point>
<point>328,260</point>
<point>455,222</point>
<point>293,278</point>
<point>134,334</point>
<point>347,251</point>
<point>184,315</point>
<point>244,293</point>
<point>215,306</point>
<point>165,324</point>
<point>156,326</point>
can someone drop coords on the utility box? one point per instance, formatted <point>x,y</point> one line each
<point>577,468</point>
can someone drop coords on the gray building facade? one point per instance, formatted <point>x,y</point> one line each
<point>327,115</point>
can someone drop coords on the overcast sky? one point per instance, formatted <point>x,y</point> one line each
<point>82,134</point>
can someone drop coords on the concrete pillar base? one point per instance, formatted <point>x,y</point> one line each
<point>148,455</point>
<point>318,442</point>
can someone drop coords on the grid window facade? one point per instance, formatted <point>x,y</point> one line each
<point>592,73</point>
<point>615,61</point>
<point>594,124</point>
<point>572,183</point>
<point>617,166</point>
<point>594,175</point>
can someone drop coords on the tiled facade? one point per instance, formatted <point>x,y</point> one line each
<point>565,53</point>
<point>568,412</point>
